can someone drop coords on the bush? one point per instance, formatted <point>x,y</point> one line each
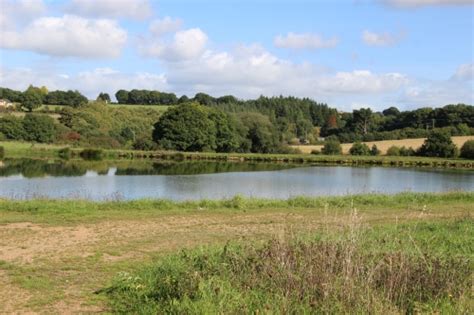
<point>467,150</point>
<point>2,152</point>
<point>404,151</point>
<point>91,154</point>
<point>39,128</point>
<point>64,153</point>
<point>374,150</point>
<point>315,152</point>
<point>359,148</point>
<point>393,151</point>
<point>332,147</point>
<point>438,144</point>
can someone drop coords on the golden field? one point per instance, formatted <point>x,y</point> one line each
<point>384,145</point>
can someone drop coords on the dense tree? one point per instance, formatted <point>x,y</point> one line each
<point>31,99</point>
<point>261,135</point>
<point>391,111</point>
<point>359,148</point>
<point>332,146</point>
<point>104,97</point>
<point>229,136</point>
<point>362,119</point>
<point>186,127</point>
<point>39,128</point>
<point>122,96</point>
<point>66,98</point>
<point>11,95</point>
<point>12,127</point>
<point>467,150</point>
<point>438,144</point>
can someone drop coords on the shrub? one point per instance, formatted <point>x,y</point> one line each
<point>64,153</point>
<point>39,128</point>
<point>404,151</point>
<point>359,148</point>
<point>91,154</point>
<point>315,152</point>
<point>438,144</point>
<point>12,127</point>
<point>332,147</point>
<point>393,151</point>
<point>467,150</point>
<point>2,152</point>
<point>374,150</point>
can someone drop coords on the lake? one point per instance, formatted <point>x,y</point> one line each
<point>26,179</point>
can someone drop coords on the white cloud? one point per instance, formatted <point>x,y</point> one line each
<point>17,12</point>
<point>421,3</point>
<point>379,39</point>
<point>67,36</point>
<point>185,45</point>
<point>464,72</point>
<point>133,9</point>
<point>167,24</point>
<point>304,41</point>
<point>88,82</point>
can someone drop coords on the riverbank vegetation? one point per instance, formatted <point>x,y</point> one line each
<point>409,252</point>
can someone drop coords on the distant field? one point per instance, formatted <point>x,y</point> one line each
<point>159,108</point>
<point>384,145</point>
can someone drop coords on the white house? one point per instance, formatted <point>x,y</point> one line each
<point>5,103</point>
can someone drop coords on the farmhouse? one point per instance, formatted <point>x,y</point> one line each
<point>5,103</point>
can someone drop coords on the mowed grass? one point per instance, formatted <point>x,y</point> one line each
<point>383,146</point>
<point>71,256</point>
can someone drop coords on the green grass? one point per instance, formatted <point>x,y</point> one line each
<point>74,211</point>
<point>159,108</point>
<point>407,268</point>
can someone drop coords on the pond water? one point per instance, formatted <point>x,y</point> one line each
<point>24,179</point>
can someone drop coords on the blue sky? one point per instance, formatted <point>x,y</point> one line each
<point>349,54</point>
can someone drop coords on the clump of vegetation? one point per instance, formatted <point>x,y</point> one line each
<point>438,144</point>
<point>65,153</point>
<point>359,148</point>
<point>350,271</point>
<point>400,151</point>
<point>332,146</point>
<point>467,150</point>
<point>374,150</point>
<point>2,152</point>
<point>92,154</point>
<point>315,152</point>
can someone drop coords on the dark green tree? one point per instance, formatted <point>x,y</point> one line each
<point>104,97</point>
<point>467,150</point>
<point>39,128</point>
<point>12,127</point>
<point>122,96</point>
<point>438,144</point>
<point>186,127</point>
<point>359,148</point>
<point>260,133</point>
<point>31,99</point>
<point>332,146</point>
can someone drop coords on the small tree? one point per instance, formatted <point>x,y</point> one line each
<point>104,97</point>
<point>359,148</point>
<point>438,144</point>
<point>31,99</point>
<point>374,150</point>
<point>467,150</point>
<point>332,147</point>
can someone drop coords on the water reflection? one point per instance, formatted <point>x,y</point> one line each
<point>197,180</point>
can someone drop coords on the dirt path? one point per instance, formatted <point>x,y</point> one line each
<point>56,269</point>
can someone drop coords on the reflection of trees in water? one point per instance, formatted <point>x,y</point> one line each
<point>194,168</point>
<point>39,168</point>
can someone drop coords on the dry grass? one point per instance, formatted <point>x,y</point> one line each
<point>384,145</point>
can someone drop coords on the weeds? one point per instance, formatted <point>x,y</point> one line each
<point>354,270</point>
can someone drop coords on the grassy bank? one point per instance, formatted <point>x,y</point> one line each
<point>407,268</point>
<point>56,255</point>
<point>15,149</point>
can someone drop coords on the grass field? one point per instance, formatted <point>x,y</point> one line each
<point>384,145</point>
<point>56,255</point>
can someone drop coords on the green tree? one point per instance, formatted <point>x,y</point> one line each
<point>359,148</point>
<point>467,150</point>
<point>186,127</point>
<point>39,128</point>
<point>393,151</point>
<point>438,144</point>
<point>332,146</point>
<point>122,96</point>
<point>104,97</point>
<point>261,134</point>
<point>362,119</point>
<point>12,127</point>
<point>31,99</point>
<point>374,150</point>
<point>228,138</point>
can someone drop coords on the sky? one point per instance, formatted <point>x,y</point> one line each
<point>346,53</point>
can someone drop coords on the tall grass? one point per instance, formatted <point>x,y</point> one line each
<point>355,270</point>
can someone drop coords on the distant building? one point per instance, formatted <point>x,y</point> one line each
<point>5,103</point>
